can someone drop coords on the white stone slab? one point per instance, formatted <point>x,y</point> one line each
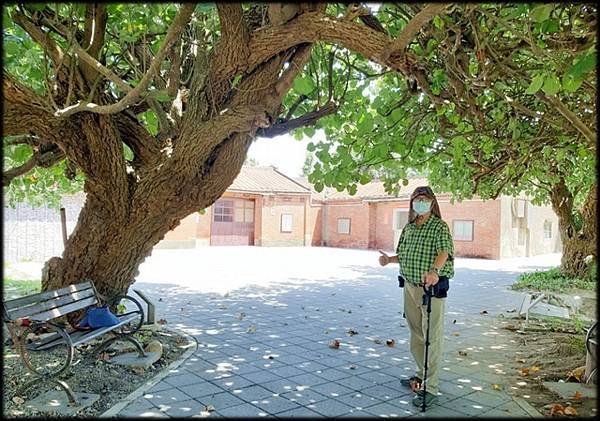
<point>132,359</point>
<point>56,401</point>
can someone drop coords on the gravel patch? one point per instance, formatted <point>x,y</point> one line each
<point>88,374</point>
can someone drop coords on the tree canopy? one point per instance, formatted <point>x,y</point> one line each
<point>152,107</point>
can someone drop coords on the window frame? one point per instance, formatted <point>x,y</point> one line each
<point>458,238</point>
<point>349,225</point>
<point>291,223</point>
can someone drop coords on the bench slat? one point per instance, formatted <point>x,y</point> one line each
<point>61,311</point>
<point>43,296</point>
<point>32,309</point>
<point>81,336</point>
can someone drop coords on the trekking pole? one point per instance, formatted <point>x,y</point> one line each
<point>426,300</point>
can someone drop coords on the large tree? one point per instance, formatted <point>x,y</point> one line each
<point>502,102</point>
<point>153,107</point>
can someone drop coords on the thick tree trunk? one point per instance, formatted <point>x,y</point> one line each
<point>577,244</point>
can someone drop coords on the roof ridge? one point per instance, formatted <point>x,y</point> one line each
<point>291,179</point>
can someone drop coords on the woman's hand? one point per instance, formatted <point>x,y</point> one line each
<point>384,259</point>
<point>429,279</point>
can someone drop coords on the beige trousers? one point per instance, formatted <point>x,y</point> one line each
<point>416,316</point>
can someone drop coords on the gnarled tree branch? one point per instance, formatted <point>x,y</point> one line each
<point>181,19</point>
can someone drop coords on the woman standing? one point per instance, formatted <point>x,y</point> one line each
<point>425,254</point>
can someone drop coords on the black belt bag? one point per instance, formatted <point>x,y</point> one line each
<point>440,290</point>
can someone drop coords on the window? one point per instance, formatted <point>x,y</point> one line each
<point>462,230</point>
<point>244,211</point>
<point>400,219</point>
<point>223,211</point>
<point>547,230</point>
<point>286,222</point>
<point>343,225</point>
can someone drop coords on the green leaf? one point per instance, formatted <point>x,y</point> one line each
<point>162,96</point>
<point>310,147</point>
<point>397,114</point>
<point>550,26</point>
<point>310,131</point>
<point>319,187</point>
<point>22,153</point>
<point>405,182</point>
<point>438,22</point>
<point>304,85</point>
<point>365,179</point>
<point>298,135</point>
<point>585,64</point>
<point>541,13</point>
<point>570,84</point>
<point>535,85</point>
<point>352,189</point>
<point>551,85</point>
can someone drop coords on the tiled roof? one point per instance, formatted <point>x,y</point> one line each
<point>371,191</point>
<point>265,180</point>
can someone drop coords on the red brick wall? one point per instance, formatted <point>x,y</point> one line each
<point>385,223</point>
<point>314,224</point>
<point>486,226</point>
<point>359,225</point>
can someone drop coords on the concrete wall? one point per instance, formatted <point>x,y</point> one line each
<point>35,233</point>
<point>531,227</point>
<point>273,208</point>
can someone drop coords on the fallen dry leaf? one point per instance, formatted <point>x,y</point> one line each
<point>251,329</point>
<point>454,321</point>
<point>520,360</point>
<point>241,316</point>
<point>138,370</point>
<point>535,369</point>
<point>463,353</point>
<point>162,322</point>
<point>510,327</point>
<point>569,410</point>
<point>576,373</point>
<point>390,342</point>
<point>104,356</point>
<point>352,367</point>
<point>455,334</point>
<point>334,344</point>
<point>352,332</point>
<point>209,408</point>
<point>483,312</point>
<point>18,400</point>
<point>524,371</point>
<point>557,409</point>
<point>496,386</point>
<point>577,395</point>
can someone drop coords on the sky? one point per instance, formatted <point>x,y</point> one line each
<point>283,152</point>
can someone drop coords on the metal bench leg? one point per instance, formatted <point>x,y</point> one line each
<point>73,401</point>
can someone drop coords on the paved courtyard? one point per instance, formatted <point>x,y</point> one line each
<point>263,319</point>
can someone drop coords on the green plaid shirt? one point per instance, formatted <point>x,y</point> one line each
<point>419,246</point>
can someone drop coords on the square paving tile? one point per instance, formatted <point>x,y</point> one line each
<point>390,410</point>
<point>300,412</point>
<point>243,410</point>
<point>167,396</point>
<point>221,400</point>
<point>304,396</point>
<point>377,377</point>
<point>358,400</point>
<point>201,389</point>
<point>183,379</point>
<point>261,377</point>
<point>382,392</point>
<point>330,408</point>
<point>307,379</point>
<point>253,393</point>
<point>275,404</point>
<point>232,382</point>
<point>182,409</point>
<point>333,374</point>
<point>331,389</point>
<point>287,371</point>
<point>280,385</point>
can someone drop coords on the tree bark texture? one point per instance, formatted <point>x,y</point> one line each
<point>577,244</point>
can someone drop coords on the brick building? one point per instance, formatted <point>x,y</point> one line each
<point>264,207</point>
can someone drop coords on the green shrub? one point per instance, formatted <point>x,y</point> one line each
<point>14,288</point>
<point>552,280</point>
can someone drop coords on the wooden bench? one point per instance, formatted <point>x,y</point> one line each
<point>27,316</point>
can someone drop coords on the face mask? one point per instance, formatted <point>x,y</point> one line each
<point>421,208</point>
